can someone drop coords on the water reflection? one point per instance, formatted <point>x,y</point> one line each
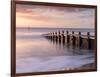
<point>60,43</point>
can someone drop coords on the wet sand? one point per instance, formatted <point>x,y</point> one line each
<point>90,66</point>
<point>84,67</point>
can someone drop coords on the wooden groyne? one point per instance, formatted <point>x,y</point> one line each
<point>75,39</point>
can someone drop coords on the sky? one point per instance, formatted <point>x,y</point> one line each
<point>54,17</point>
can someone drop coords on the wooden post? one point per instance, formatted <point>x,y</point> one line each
<point>63,37</point>
<point>51,36</point>
<point>59,37</point>
<point>67,34</point>
<point>56,37</point>
<point>88,40</point>
<point>80,40</point>
<point>73,39</point>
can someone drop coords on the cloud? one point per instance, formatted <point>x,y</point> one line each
<point>50,16</point>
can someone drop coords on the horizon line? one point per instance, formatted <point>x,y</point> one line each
<point>50,27</point>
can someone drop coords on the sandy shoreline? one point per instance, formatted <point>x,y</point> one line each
<point>91,65</point>
<point>59,63</point>
<point>86,66</point>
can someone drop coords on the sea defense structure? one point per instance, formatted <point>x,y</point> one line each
<point>75,39</point>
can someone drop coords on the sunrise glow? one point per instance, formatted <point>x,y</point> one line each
<point>49,16</point>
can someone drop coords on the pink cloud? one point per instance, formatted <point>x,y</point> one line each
<point>49,16</point>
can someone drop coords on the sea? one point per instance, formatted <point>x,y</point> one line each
<point>35,53</point>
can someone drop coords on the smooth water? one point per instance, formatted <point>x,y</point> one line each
<point>35,53</point>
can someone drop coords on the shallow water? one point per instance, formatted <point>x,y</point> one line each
<point>35,53</point>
